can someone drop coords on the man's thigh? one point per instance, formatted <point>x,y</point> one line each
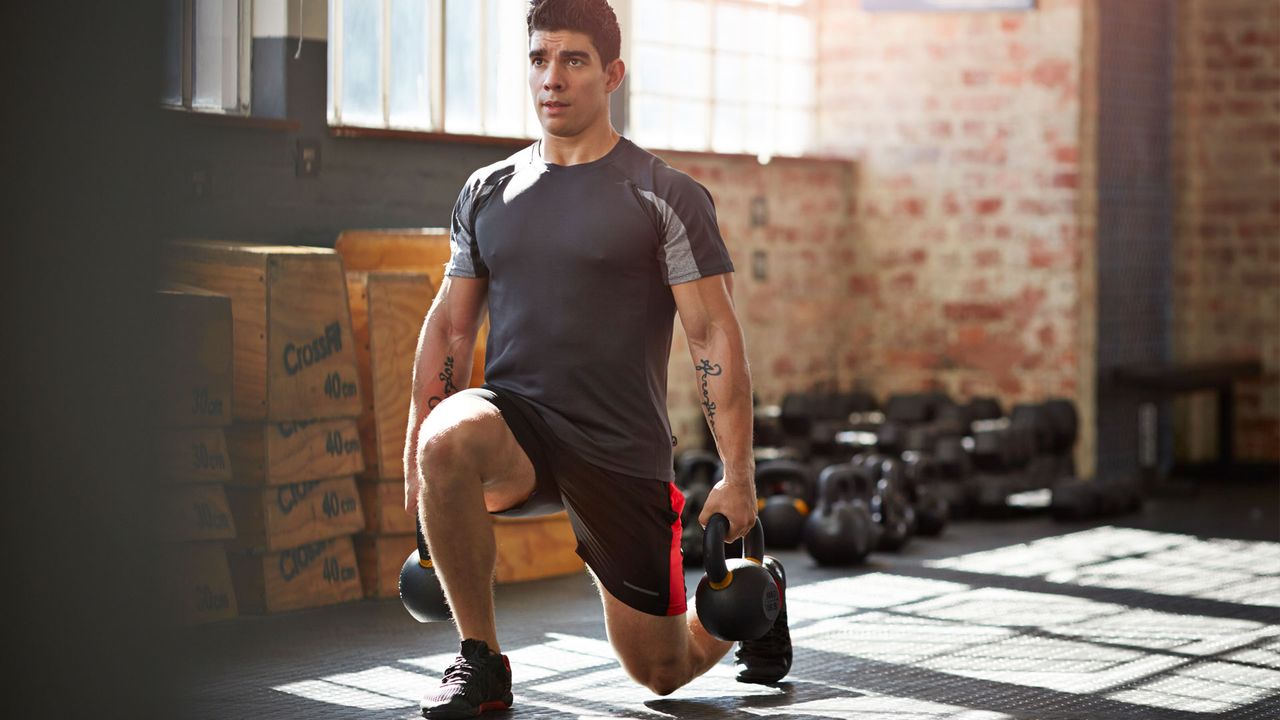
<point>466,434</point>
<point>641,640</point>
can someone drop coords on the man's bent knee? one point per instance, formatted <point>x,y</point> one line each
<point>456,435</point>
<point>466,439</point>
<point>665,682</point>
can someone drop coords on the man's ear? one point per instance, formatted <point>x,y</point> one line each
<point>614,71</point>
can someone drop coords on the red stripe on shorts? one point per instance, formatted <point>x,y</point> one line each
<point>676,604</point>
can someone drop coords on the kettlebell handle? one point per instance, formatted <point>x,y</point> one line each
<point>713,547</point>
<point>424,557</point>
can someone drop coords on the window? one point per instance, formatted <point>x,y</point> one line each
<point>733,76</point>
<point>207,51</point>
<point>729,76</point>
<point>454,67</point>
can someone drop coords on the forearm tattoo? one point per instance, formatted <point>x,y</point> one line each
<point>449,388</point>
<point>708,371</point>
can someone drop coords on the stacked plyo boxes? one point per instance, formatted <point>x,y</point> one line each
<point>392,277</point>
<point>190,407</point>
<point>294,446</point>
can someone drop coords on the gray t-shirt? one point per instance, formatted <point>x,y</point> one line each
<point>579,260</point>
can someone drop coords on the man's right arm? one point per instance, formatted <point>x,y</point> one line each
<point>442,364</point>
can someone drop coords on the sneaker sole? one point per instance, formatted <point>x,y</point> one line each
<point>491,706</point>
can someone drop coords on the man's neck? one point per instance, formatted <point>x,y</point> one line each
<point>582,148</point>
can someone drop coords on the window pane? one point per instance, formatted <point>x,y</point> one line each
<point>728,131</point>
<point>762,78</point>
<point>217,41</point>
<point>649,121</point>
<point>796,84</point>
<point>731,28</point>
<point>362,63</point>
<point>796,38</point>
<point>689,125</point>
<point>650,21</point>
<point>688,74</point>
<point>508,54</point>
<point>173,41</point>
<point>410,52</point>
<point>760,124</point>
<point>462,67</point>
<point>732,82</point>
<point>687,23</point>
<point>795,129</point>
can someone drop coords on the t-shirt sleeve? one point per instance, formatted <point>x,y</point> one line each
<point>464,254</point>
<point>691,245</point>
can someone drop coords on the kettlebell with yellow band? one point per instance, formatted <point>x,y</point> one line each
<point>737,599</point>
<point>420,588</point>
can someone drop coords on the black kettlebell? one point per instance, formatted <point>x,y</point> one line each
<point>920,477</point>
<point>696,472</point>
<point>691,533</point>
<point>783,487</point>
<point>420,589</point>
<point>897,517</point>
<point>738,599</point>
<point>838,531</point>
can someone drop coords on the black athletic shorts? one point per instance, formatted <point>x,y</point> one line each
<point>628,528</point>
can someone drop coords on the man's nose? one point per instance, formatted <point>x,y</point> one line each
<point>555,78</point>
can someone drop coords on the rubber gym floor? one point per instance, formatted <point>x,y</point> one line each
<point>1170,613</point>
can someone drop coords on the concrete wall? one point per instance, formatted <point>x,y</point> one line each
<point>1227,172</point>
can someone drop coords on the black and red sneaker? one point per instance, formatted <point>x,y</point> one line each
<point>768,659</point>
<point>479,680</point>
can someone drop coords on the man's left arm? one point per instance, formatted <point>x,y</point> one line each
<point>724,387</point>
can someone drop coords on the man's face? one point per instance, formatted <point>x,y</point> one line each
<point>569,85</point>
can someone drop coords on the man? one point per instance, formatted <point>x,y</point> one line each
<point>584,247</point>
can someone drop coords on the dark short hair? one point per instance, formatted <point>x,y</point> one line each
<point>590,17</point>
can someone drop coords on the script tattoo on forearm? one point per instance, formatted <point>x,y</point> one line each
<point>708,371</point>
<point>447,377</point>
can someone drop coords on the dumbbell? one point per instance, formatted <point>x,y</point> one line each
<point>737,599</point>
<point>420,588</point>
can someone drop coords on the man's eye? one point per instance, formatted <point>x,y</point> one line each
<point>575,62</point>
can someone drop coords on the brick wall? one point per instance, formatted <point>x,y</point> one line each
<point>1227,234</point>
<point>799,319</point>
<point>966,230</point>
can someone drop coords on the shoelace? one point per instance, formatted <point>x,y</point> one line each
<point>460,672</point>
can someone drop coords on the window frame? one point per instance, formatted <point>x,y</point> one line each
<point>244,63</point>
<point>715,53</point>
<point>435,71</point>
<point>625,9</point>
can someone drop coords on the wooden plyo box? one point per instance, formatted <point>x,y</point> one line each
<point>380,558</point>
<point>193,455</point>
<point>319,573</point>
<point>535,548</point>
<point>284,453</point>
<point>192,513</point>
<point>387,309</point>
<point>192,359</point>
<point>288,516</point>
<point>420,250</point>
<point>528,549</point>
<point>198,583</point>
<point>383,504</point>
<point>293,349</point>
